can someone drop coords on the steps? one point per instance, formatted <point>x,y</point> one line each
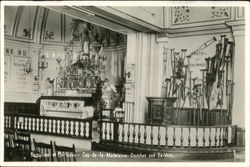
<point>228,154</point>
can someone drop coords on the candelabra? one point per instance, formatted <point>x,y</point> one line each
<point>27,66</point>
<point>58,60</point>
<point>42,64</point>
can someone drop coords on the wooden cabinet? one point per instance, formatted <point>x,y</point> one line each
<point>161,110</point>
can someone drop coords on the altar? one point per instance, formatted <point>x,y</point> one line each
<point>81,80</point>
<point>66,106</point>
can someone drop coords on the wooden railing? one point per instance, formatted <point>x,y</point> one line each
<point>20,108</point>
<point>167,136</point>
<point>189,116</point>
<point>66,127</point>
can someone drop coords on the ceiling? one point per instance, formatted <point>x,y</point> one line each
<point>53,25</point>
<point>116,19</point>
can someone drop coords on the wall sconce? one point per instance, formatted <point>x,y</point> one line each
<point>128,74</point>
<point>58,60</point>
<point>42,62</point>
<point>27,66</point>
<point>36,78</point>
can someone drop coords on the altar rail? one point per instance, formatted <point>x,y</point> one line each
<point>65,127</point>
<point>135,134</point>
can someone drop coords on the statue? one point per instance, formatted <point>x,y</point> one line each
<point>50,86</point>
<point>108,92</point>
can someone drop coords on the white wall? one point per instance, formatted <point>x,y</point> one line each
<point>30,90</point>
<point>238,116</point>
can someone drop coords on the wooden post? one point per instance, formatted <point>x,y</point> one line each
<point>235,135</point>
<point>90,129</point>
<point>166,136</point>
<point>149,113</point>
<point>100,130</point>
<point>115,132</point>
<point>12,121</point>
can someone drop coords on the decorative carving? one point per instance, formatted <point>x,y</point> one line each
<point>181,14</point>
<point>27,33</point>
<point>49,35</point>
<point>62,105</point>
<point>76,37</point>
<point>82,70</point>
<point>83,31</point>
<point>220,12</point>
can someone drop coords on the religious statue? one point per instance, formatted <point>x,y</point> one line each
<point>108,92</point>
<point>50,86</point>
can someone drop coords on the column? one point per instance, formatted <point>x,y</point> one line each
<point>142,51</point>
<point>238,111</point>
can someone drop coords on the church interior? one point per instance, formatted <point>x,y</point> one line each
<point>124,83</point>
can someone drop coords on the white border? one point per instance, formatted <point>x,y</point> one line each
<point>133,3</point>
<point>127,3</point>
<point>247,79</point>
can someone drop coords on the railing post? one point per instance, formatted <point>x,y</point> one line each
<point>12,122</point>
<point>90,129</point>
<point>100,130</point>
<point>235,135</point>
<point>115,132</point>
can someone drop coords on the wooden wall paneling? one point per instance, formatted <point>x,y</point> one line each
<point>21,108</point>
